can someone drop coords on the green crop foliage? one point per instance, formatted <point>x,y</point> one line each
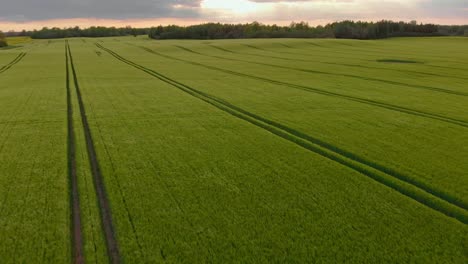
<point>236,151</point>
<point>18,40</point>
<point>34,207</point>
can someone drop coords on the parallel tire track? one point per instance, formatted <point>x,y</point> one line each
<point>104,205</point>
<point>443,195</point>
<point>387,106</point>
<point>350,55</point>
<point>77,234</point>
<point>430,88</point>
<point>324,149</point>
<point>268,56</point>
<point>395,70</point>
<point>359,65</point>
<point>13,62</point>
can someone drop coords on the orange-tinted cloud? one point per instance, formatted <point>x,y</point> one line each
<point>88,22</point>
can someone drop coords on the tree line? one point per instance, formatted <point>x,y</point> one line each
<point>345,29</point>
<point>91,32</point>
<point>3,42</point>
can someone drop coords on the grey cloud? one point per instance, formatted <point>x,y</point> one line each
<point>25,10</point>
<point>299,1</point>
<point>446,8</point>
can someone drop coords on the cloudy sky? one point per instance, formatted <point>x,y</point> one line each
<point>28,14</point>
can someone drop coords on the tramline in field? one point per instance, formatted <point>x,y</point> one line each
<point>130,150</point>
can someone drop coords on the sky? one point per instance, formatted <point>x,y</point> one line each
<point>33,14</point>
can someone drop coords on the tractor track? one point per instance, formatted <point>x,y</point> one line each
<point>398,182</point>
<point>103,201</point>
<point>421,185</point>
<point>13,62</point>
<point>415,86</point>
<point>358,65</point>
<point>395,70</point>
<point>351,56</point>
<point>77,233</point>
<point>387,106</point>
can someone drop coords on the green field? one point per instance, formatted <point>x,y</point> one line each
<point>18,40</point>
<point>234,151</point>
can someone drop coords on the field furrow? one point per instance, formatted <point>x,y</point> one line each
<point>135,150</point>
<point>367,52</point>
<point>329,62</point>
<point>321,117</point>
<point>238,184</point>
<point>12,63</point>
<point>106,215</point>
<point>77,233</point>
<point>320,91</point>
<point>326,150</point>
<point>323,90</point>
<point>412,179</point>
<point>365,78</point>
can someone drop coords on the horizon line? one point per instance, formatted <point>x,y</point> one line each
<point>83,23</point>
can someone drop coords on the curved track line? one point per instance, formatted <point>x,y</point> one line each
<point>416,86</point>
<point>340,64</point>
<point>387,106</point>
<point>395,70</point>
<point>350,54</point>
<point>379,174</point>
<point>104,205</point>
<point>12,63</point>
<point>443,195</point>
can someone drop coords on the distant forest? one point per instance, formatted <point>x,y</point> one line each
<point>74,32</point>
<point>343,29</point>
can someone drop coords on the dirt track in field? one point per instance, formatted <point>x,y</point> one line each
<point>104,205</point>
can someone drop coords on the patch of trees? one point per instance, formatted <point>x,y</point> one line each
<point>382,29</point>
<point>344,29</point>
<point>236,31</point>
<point>454,30</point>
<point>92,32</point>
<point>3,42</point>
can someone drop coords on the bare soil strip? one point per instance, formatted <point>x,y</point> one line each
<point>103,201</point>
<point>77,235</point>
<point>365,167</point>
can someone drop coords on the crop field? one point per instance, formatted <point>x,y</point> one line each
<point>131,150</point>
<point>15,42</point>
